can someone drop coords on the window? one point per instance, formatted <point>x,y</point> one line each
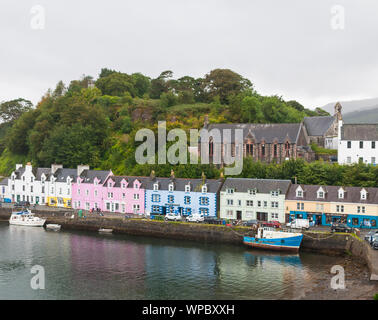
<point>274,215</point>
<point>361,144</point>
<point>252,192</point>
<point>349,160</point>
<point>299,192</point>
<point>110,195</point>
<point>363,195</point>
<point>171,199</point>
<point>319,207</point>
<point>265,204</point>
<point>123,185</point>
<point>123,208</point>
<point>187,188</point>
<point>23,188</point>
<point>188,211</point>
<point>136,196</point>
<point>136,207</point>
<point>156,186</point>
<point>341,194</point>
<point>204,189</point>
<point>249,203</point>
<point>229,213</point>
<point>31,188</point>
<point>363,209</point>
<point>95,193</point>
<point>123,195</point>
<point>355,221</point>
<point>86,192</point>
<point>155,198</point>
<point>170,187</point>
<point>230,191</point>
<point>274,193</point>
<point>300,206</point>
<point>259,204</point>
<point>349,144</point>
<point>373,144</point>
<point>372,160</point>
<point>274,204</point>
<point>155,209</point>
<point>204,211</point>
<point>230,202</point>
<point>108,206</point>
<point>339,208</point>
<point>204,201</point>
<point>187,200</point>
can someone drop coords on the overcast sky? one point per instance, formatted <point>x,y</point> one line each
<point>294,48</point>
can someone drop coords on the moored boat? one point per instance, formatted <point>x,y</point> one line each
<point>269,239</point>
<point>102,230</point>
<point>26,218</point>
<point>52,226</point>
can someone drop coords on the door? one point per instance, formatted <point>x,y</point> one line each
<point>238,215</point>
<point>18,198</point>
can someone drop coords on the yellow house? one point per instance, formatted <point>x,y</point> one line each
<point>324,205</point>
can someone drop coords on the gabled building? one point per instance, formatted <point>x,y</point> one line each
<point>4,190</point>
<point>124,194</point>
<point>274,142</point>
<point>87,189</point>
<point>358,143</point>
<point>60,186</point>
<point>182,196</point>
<point>253,199</point>
<point>324,205</point>
<point>323,130</point>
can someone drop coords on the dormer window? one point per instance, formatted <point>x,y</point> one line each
<point>321,193</point>
<point>252,192</point>
<point>275,193</point>
<point>204,188</point>
<point>123,185</point>
<point>110,184</point>
<point>341,193</point>
<point>363,194</point>
<point>299,192</point>
<point>136,186</point>
<point>187,188</point>
<point>156,186</point>
<point>170,187</point>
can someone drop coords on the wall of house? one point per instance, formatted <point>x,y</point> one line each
<point>179,206</point>
<point>367,153</point>
<point>250,212</point>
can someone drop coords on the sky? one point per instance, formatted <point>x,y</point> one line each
<point>313,51</point>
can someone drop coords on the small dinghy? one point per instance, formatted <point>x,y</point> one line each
<point>54,227</point>
<point>102,230</point>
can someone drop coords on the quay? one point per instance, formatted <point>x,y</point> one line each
<point>314,241</point>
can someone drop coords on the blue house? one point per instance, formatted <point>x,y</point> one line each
<point>182,196</point>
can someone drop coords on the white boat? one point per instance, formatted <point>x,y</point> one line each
<point>52,226</point>
<point>105,230</point>
<point>26,218</point>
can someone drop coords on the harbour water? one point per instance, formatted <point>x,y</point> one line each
<point>81,265</point>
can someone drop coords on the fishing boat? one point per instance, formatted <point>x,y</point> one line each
<point>26,218</point>
<point>52,226</point>
<point>270,239</point>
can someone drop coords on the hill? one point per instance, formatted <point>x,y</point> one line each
<point>364,116</point>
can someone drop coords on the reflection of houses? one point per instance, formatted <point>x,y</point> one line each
<point>323,130</point>
<point>250,199</point>
<point>327,204</point>
<point>262,142</point>
<point>182,196</point>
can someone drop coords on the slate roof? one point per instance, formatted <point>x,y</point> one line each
<point>268,132</point>
<point>4,182</point>
<point>88,176</point>
<point>130,179</point>
<point>318,126</point>
<point>62,174</point>
<point>213,185</point>
<point>262,185</point>
<point>365,131</point>
<point>37,172</point>
<point>352,194</point>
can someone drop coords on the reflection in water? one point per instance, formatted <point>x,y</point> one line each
<point>93,266</point>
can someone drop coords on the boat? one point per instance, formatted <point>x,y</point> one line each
<point>26,218</point>
<point>52,226</point>
<point>102,230</point>
<point>270,239</point>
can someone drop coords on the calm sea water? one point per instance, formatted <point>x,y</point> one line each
<point>81,265</point>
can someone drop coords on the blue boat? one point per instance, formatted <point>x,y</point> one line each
<point>269,239</point>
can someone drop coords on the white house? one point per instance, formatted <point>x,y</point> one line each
<point>358,143</point>
<point>45,186</point>
<point>4,189</point>
<point>253,199</point>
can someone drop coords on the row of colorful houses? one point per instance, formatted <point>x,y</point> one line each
<point>231,198</point>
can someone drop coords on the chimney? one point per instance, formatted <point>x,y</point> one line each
<point>295,180</point>
<point>18,166</point>
<point>206,121</point>
<point>55,167</point>
<point>81,168</point>
<point>28,167</point>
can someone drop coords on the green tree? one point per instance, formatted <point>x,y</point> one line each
<point>13,109</point>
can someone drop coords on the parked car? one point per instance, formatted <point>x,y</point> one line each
<point>341,227</point>
<point>250,223</point>
<point>195,218</point>
<point>299,224</point>
<point>213,220</point>
<point>272,224</point>
<point>172,217</point>
<point>370,235</point>
<point>374,243</point>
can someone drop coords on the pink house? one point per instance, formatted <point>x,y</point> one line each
<point>87,190</point>
<point>124,194</point>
